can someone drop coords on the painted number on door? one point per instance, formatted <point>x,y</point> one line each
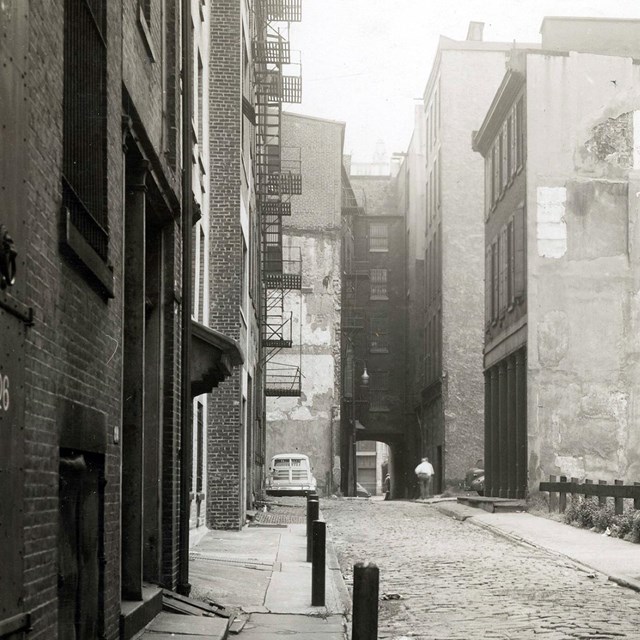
<point>4,393</point>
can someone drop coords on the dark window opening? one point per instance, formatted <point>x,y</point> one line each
<point>84,122</point>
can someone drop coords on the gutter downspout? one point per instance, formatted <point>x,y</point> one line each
<point>186,426</point>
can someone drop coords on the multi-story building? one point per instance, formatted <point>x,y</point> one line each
<point>97,336</point>
<point>308,422</point>
<point>441,186</point>
<point>372,341</point>
<point>252,73</point>
<point>560,144</point>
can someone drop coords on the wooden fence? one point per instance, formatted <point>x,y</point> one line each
<point>559,487</point>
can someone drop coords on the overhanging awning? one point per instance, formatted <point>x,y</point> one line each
<point>213,357</point>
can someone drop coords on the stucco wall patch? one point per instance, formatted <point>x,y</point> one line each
<point>551,232</point>
<point>553,338</point>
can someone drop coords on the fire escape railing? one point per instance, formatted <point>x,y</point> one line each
<point>277,178</point>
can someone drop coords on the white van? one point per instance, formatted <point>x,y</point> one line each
<point>290,474</point>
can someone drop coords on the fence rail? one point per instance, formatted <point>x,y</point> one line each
<point>559,487</point>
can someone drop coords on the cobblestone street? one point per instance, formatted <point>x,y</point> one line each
<point>459,581</point>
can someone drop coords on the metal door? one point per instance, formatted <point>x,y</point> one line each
<point>14,313</point>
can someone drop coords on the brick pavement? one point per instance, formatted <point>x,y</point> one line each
<point>461,582</point>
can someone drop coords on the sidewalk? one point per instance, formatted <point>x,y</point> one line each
<point>617,559</point>
<point>261,574</point>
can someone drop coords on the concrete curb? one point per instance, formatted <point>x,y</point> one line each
<point>333,565</point>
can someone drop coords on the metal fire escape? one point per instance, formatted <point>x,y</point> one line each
<point>355,269</point>
<point>278,178</point>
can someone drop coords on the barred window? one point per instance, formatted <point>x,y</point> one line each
<point>379,385</point>
<point>84,122</point>
<point>378,282</point>
<point>379,334</point>
<point>378,236</point>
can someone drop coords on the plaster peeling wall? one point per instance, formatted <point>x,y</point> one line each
<point>583,227</point>
<point>551,227</point>
<point>306,424</point>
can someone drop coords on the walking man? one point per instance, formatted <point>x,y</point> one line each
<point>424,471</point>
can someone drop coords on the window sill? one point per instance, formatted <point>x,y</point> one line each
<point>378,250</point>
<point>379,298</point>
<point>145,32</point>
<point>378,350</point>
<point>74,244</point>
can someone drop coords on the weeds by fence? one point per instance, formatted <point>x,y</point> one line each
<point>558,488</point>
<point>589,505</point>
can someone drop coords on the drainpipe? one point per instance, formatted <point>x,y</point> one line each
<point>186,426</point>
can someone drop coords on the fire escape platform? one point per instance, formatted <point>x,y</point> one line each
<point>280,393</point>
<point>277,344</point>
<point>282,280</point>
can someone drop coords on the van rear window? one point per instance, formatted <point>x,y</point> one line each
<point>286,462</point>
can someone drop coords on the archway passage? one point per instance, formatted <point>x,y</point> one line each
<point>379,454</point>
<point>372,465</point>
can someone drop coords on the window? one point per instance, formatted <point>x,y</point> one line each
<point>379,385</point>
<point>378,282</point>
<point>502,276</point>
<point>378,236</point>
<point>84,122</point>
<point>494,281</point>
<point>519,133</point>
<point>200,102</point>
<point>201,276</point>
<point>512,263</point>
<point>495,165</point>
<point>379,333</point>
<point>200,447</point>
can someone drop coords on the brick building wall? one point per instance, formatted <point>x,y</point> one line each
<point>73,350</point>
<point>224,445</point>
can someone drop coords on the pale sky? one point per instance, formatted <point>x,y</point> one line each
<point>365,61</point>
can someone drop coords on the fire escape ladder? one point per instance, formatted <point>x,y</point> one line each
<point>277,179</point>
<point>278,323</point>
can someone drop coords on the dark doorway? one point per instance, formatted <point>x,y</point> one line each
<point>81,525</point>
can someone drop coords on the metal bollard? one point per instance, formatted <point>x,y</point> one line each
<point>313,513</point>
<point>366,581</point>
<point>318,570</point>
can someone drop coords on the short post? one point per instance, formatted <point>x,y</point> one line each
<point>602,499</point>
<point>553,496</point>
<point>618,503</point>
<point>562,500</point>
<point>366,581</point>
<point>312,495</point>
<point>636,499</point>
<point>590,497</point>
<point>318,569</point>
<point>313,513</point>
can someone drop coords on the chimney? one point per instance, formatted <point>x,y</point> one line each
<point>475,31</point>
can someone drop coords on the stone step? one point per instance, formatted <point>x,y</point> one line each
<point>494,505</point>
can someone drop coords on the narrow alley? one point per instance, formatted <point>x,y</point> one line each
<point>459,581</point>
